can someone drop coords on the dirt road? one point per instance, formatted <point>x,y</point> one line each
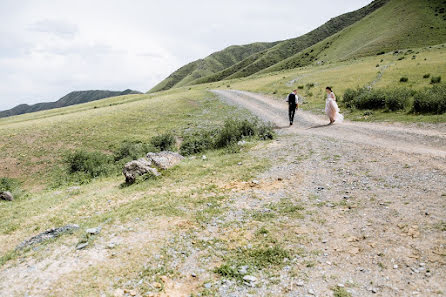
<point>374,197</point>
<point>404,138</point>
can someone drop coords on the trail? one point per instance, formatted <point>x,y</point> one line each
<point>402,138</point>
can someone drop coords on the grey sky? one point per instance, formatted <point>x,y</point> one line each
<point>49,48</point>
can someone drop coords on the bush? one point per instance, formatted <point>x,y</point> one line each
<point>226,136</point>
<point>93,164</point>
<point>11,185</point>
<point>427,75</point>
<point>349,96</point>
<point>164,142</point>
<point>380,53</point>
<point>431,100</point>
<point>234,131</point>
<point>398,99</point>
<point>370,99</point>
<point>132,150</point>
<point>309,85</point>
<point>435,79</point>
<point>197,143</point>
<point>404,79</point>
<point>300,87</point>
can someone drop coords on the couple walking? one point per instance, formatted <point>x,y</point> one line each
<point>331,107</point>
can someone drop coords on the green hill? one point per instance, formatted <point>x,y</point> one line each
<point>381,26</point>
<point>72,98</point>
<point>400,24</point>
<point>214,63</point>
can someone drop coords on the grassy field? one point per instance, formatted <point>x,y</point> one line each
<point>33,145</point>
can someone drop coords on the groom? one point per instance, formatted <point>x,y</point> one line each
<point>293,105</point>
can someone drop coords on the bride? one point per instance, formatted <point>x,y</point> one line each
<point>331,107</point>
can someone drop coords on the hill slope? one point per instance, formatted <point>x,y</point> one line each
<point>400,24</point>
<point>76,97</point>
<point>259,58</point>
<point>381,26</point>
<point>210,65</point>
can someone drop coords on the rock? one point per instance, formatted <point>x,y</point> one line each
<point>243,270</point>
<point>250,280</point>
<point>395,266</point>
<point>255,182</point>
<point>311,292</point>
<point>165,159</point>
<point>81,246</point>
<point>193,274</point>
<point>132,293</point>
<point>47,235</point>
<point>93,231</point>
<point>240,163</point>
<point>204,157</point>
<point>241,142</point>
<point>208,285</point>
<point>137,168</point>
<point>7,196</point>
<point>300,283</point>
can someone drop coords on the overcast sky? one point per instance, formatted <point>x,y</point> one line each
<point>49,48</point>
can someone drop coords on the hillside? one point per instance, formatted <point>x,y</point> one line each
<point>381,26</point>
<point>76,97</point>
<point>214,63</point>
<point>255,61</point>
<point>398,25</point>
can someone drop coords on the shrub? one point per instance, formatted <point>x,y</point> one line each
<point>370,99</point>
<point>266,132</point>
<point>404,79</point>
<point>164,142</point>
<point>309,85</point>
<point>93,164</point>
<point>401,58</point>
<point>234,131</point>
<point>197,143</point>
<point>431,100</point>
<point>435,79</point>
<point>132,150</point>
<point>300,87</point>
<point>350,95</point>
<point>11,185</point>
<point>398,99</point>
<point>380,53</point>
<point>427,75</point>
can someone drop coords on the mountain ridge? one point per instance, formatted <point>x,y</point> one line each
<point>72,98</point>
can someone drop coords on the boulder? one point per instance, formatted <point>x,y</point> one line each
<point>7,196</point>
<point>47,235</point>
<point>137,168</point>
<point>164,160</point>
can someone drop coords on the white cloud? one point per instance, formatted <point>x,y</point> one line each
<point>49,48</point>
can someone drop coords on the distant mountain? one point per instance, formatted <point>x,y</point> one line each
<point>76,97</point>
<point>216,62</point>
<point>381,26</point>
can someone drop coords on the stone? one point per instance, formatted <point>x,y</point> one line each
<point>300,283</point>
<point>81,246</point>
<point>255,182</point>
<point>249,279</point>
<point>243,270</point>
<point>93,231</point>
<point>6,196</point>
<point>132,293</point>
<point>241,143</point>
<point>47,235</point>
<point>208,285</point>
<point>164,160</point>
<point>311,292</point>
<point>204,157</point>
<point>395,266</point>
<point>136,168</point>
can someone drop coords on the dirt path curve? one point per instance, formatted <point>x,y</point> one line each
<point>406,138</point>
